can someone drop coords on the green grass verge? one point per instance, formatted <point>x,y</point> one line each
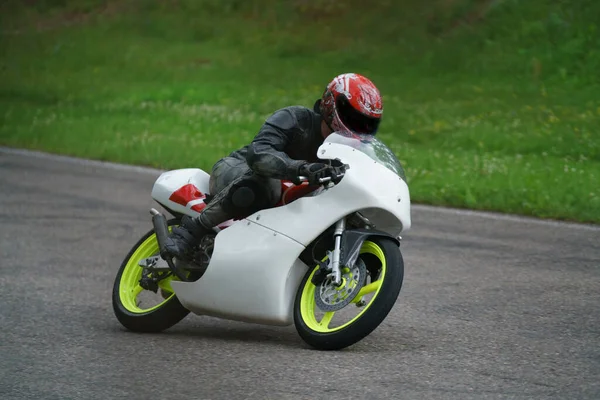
<point>499,115</point>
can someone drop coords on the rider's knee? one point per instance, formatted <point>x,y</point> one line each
<point>248,196</point>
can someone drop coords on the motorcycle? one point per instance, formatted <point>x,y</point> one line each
<point>327,258</point>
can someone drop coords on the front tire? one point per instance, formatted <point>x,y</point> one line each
<point>384,262</point>
<point>126,290</point>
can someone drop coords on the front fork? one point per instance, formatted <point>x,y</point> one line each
<point>336,271</point>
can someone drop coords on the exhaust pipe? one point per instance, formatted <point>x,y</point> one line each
<point>162,231</point>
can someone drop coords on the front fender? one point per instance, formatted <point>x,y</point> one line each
<point>352,241</point>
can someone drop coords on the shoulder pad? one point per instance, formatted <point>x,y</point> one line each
<point>283,119</point>
<point>306,117</point>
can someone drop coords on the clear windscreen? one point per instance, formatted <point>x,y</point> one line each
<point>372,147</point>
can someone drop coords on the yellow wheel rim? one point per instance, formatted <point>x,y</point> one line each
<point>308,307</point>
<point>129,286</point>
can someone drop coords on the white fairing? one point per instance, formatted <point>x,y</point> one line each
<point>380,194</point>
<point>254,272</point>
<point>253,276</point>
<point>170,181</point>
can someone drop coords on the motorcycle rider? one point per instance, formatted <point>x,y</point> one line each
<point>248,179</point>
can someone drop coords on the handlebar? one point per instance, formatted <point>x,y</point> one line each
<point>321,180</point>
<point>327,179</point>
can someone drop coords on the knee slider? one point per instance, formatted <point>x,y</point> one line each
<point>245,198</point>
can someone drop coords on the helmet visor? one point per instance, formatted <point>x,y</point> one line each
<point>353,119</point>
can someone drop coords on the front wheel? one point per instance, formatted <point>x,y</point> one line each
<point>331,318</point>
<point>142,310</point>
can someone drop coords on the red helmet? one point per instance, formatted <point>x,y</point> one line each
<point>352,103</point>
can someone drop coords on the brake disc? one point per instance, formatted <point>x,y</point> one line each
<point>330,297</point>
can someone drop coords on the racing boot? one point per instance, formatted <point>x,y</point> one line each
<point>182,240</point>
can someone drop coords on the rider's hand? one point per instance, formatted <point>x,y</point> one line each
<point>316,171</point>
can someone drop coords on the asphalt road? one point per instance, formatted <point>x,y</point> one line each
<point>491,308</point>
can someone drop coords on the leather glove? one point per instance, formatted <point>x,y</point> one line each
<point>316,171</point>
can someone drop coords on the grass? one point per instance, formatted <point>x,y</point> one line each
<point>500,114</point>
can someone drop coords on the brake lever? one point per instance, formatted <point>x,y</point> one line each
<point>327,179</point>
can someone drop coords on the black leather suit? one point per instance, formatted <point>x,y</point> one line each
<point>289,138</point>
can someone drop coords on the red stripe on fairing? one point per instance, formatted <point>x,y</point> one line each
<point>185,194</point>
<point>286,184</point>
<point>198,207</point>
<point>291,192</point>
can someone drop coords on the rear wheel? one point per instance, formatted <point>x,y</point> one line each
<point>331,318</point>
<point>142,310</point>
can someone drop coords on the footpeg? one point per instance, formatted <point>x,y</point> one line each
<point>154,263</point>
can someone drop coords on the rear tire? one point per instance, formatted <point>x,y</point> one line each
<point>157,318</point>
<point>381,255</point>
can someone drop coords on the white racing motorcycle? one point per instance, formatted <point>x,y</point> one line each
<point>326,258</point>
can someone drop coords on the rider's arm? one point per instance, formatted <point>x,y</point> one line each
<point>266,154</point>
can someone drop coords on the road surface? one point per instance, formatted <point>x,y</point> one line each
<point>492,307</point>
